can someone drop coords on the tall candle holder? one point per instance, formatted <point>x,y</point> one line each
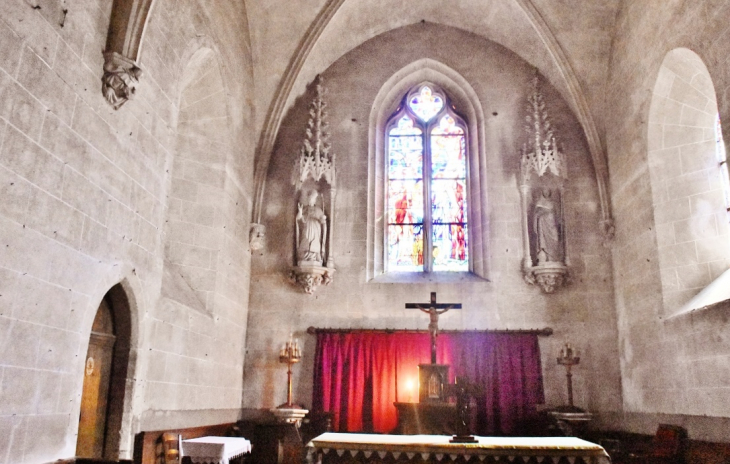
<point>569,358</point>
<point>290,354</point>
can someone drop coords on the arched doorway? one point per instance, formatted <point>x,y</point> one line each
<point>105,372</point>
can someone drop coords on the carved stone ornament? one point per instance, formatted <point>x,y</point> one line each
<point>548,276</point>
<point>120,79</point>
<point>257,236</point>
<point>314,180</point>
<point>543,175</point>
<point>316,162</point>
<point>608,230</point>
<point>309,277</point>
<point>127,25</point>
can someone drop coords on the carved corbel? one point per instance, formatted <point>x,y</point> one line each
<point>123,44</point>
<point>120,79</point>
<point>608,230</point>
<point>257,236</point>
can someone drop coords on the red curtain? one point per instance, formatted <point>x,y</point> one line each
<point>358,376</point>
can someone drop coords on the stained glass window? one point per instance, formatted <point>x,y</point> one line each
<point>427,186</point>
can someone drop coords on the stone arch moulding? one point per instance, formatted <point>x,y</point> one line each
<point>462,93</point>
<point>123,45</point>
<point>277,108</point>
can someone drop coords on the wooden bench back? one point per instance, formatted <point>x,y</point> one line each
<point>148,445</point>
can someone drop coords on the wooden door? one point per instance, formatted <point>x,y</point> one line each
<point>95,394</point>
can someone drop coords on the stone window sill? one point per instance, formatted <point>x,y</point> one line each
<point>714,295</point>
<point>426,278</point>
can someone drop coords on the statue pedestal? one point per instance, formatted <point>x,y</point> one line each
<point>549,276</point>
<point>289,415</point>
<point>311,274</point>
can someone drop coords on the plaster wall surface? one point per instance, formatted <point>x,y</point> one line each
<point>677,366</point>
<point>581,313</point>
<point>85,193</point>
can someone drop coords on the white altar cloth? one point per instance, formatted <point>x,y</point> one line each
<point>328,447</point>
<point>214,450</point>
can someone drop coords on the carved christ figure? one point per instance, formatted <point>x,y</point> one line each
<point>311,229</point>
<point>434,310</point>
<point>433,326</point>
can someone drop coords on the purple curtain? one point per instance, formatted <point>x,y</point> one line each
<point>358,376</point>
<point>506,368</point>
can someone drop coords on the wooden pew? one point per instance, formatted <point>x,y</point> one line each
<point>148,446</point>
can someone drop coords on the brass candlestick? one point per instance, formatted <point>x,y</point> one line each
<point>290,354</point>
<point>569,358</point>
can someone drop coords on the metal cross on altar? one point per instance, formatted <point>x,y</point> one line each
<point>434,310</point>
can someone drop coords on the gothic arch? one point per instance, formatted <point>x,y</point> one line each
<point>692,231</point>
<point>294,77</point>
<point>464,96</point>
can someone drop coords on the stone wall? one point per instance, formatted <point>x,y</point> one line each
<point>581,313</point>
<point>674,367</point>
<point>85,197</point>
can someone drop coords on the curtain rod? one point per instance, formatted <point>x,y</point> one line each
<point>547,331</point>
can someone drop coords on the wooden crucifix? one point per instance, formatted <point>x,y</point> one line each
<point>434,310</point>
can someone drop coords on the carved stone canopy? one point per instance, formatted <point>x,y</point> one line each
<point>540,155</point>
<point>316,161</point>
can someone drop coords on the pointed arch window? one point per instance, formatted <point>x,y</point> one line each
<point>426,188</point>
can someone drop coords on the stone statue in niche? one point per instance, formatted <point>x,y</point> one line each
<point>311,229</point>
<point>314,177</point>
<point>543,178</point>
<point>546,226</point>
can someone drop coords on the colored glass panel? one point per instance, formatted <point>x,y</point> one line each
<point>447,157</point>
<point>405,127</point>
<point>405,202</point>
<point>406,205</point>
<point>448,201</point>
<point>447,126</point>
<point>450,248</point>
<point>448,149</point>
<point>425,104</point>
<point>405,248</point>
<point>405,151</point>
